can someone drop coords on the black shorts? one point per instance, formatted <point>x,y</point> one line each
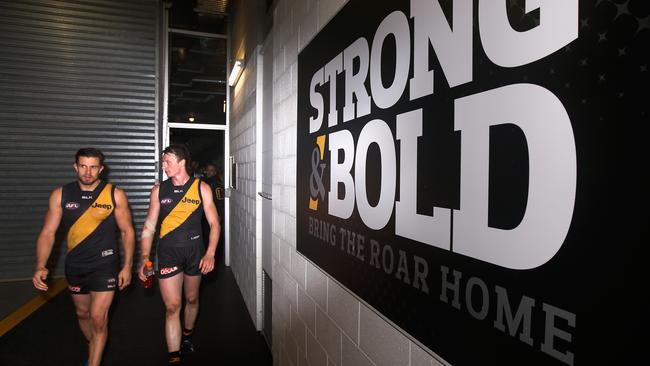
<point>172,260</point>
<point>82,280</point>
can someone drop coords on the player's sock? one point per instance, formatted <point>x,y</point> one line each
<point>174,358</point>
<point>187,348</point>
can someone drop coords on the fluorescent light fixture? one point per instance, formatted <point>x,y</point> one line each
<point>235,72</point>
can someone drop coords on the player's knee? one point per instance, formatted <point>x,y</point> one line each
<point>173,307</point>
<point>191,300</point>
<point>99,321</point>
<point>83,314</point>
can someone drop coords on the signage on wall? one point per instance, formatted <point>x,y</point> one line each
<point>446,173</point>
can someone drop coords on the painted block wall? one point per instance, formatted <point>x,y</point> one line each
<point>243,253</point>
<point>316,321</point>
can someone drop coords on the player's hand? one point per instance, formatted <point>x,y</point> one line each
<point>207,264</point>
<point>141,275</point>
<point>124,278</point>
<point>40,275</point>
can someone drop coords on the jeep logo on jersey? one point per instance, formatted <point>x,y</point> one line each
<point>165,201</point>
<point>190,200</point>
<point>71,206</point>
<point>104,206</point>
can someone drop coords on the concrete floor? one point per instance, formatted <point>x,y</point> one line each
<point>224,333</point>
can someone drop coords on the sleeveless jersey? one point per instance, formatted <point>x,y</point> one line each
<point>181,211</point>
<point>89,219</point>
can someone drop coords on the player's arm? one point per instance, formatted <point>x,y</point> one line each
<point>212,216</point>
<point>124,223</point>
<point>149,229</point>
<point>46,238</point>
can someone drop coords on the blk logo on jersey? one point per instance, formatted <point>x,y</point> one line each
<point>71,206</point>
<point>165,201</point>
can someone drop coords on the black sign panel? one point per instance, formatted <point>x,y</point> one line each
<point>463,168</point>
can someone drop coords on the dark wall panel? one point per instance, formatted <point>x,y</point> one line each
<point>72,74</point>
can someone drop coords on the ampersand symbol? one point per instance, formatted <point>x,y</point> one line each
<point>316,180</point>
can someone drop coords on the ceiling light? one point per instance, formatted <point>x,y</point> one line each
<point>235,72</point>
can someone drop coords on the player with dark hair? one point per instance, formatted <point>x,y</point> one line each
<point>177,207</point>
<point>91,211</point>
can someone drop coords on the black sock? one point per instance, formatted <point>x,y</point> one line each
<point>174,356</point>
<point>187,333</point>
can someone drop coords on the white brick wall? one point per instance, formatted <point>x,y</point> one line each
<point>242,201</point>
<point>315,321</point>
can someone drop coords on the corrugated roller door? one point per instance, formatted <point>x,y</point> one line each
<point>72,74</point>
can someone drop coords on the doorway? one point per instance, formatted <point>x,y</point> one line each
<point>194,96</point>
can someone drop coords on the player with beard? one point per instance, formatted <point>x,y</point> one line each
<point>91,211</point>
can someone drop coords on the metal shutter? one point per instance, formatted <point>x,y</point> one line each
<point>72,74</point>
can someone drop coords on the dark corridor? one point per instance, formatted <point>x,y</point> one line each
<point>224,334</point>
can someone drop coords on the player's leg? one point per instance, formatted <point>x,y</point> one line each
<point>82,306</point>
<point>77,286</point>
<point>100,303</point>
<point>191,286</point>
<point>171,290</point>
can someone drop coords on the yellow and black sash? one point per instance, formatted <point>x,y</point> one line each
<point>88,222</point>
<point>190,202</point>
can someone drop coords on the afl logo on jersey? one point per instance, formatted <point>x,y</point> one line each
<point>71,205</point>
<point>165,201</point>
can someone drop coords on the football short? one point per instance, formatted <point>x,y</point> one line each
<point>82,280</point>
<point>173,260</point>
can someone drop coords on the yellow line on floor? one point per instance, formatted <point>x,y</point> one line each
<point>32,305</point>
